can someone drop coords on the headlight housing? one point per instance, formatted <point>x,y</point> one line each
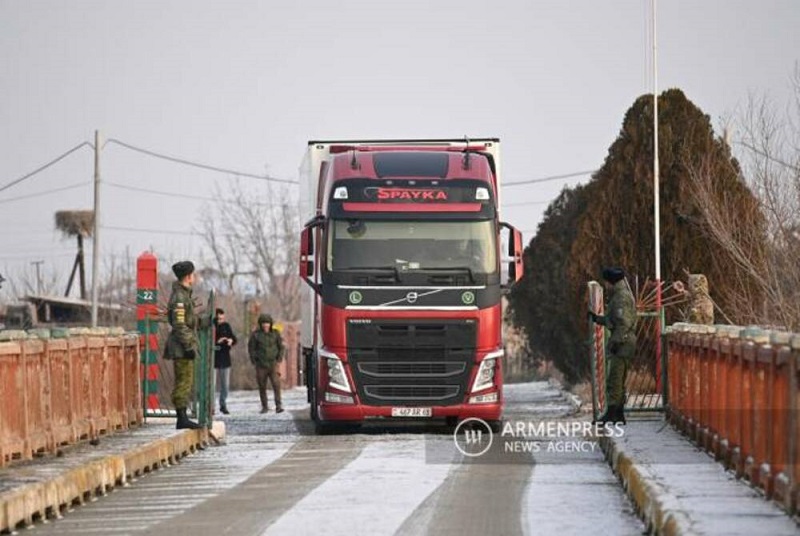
<point>484,379</point>
<point>337,378</point>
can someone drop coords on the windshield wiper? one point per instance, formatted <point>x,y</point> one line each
<point>449,269</point>
<point>392,269</point>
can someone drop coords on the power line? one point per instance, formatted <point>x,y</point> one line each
<point>524,203</point>
<point>551,178</point>
<point>47,165</point>
<point>154,231</point>
<point>179,195</point>
<point>196,164</point>
<point>47,192</point>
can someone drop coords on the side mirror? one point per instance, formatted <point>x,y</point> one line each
<point>306,251</point>
<point>306,267</point>
<point>514,256</point>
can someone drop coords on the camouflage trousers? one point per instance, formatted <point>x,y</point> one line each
<point>268,373</point>
<point>618,361</point>
<point>184,378</point>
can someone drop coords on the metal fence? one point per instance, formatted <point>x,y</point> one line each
<point>58,391</point>
<point>735,392</point>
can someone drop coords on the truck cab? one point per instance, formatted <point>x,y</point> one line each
<point>403,257</point>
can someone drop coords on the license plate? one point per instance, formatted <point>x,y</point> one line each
<point>412,412</point>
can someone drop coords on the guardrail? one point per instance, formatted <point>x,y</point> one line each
<point>57,391</point>
<point>734,391</point>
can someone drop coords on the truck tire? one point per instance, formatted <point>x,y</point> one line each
<point>311,386</point>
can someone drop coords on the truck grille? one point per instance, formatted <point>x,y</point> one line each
<point>411,362</point>
<point>430,393</point>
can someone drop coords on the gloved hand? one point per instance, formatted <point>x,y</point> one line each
<point>190,354</point>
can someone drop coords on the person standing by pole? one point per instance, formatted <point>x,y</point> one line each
<point>266,351</point>
<point>182,346</point>
<point>225,340</point>
<point>621,320</point>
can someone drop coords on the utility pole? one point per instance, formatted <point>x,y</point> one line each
<point>37,264</point>
<point>96,231</point>
<point>656,179</point>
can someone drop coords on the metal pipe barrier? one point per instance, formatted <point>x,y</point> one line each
<point>66,386</point>
<point>734,391</point>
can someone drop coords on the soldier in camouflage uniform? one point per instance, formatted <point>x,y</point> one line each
<point>620,318</point>
<point>266,351</point>
<point>181,345</point>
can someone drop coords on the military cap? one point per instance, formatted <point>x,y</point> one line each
<point>613,274</point>
<point>182,269</point>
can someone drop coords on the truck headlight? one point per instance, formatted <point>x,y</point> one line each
<point>485,377</point>
<point>336,375</point>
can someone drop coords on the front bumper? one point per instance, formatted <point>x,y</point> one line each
<point>361,412</point>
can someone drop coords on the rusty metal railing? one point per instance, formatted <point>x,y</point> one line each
<point>57,391</point>
<point>734,391</point>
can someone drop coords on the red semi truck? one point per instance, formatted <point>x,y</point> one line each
<point>405,270</point>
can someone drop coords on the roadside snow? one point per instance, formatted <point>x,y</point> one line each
<point>374,494</point>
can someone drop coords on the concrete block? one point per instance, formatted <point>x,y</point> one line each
<point>755,335</point>
<point>59,333</point>
<point>98,332</point>
<point>39,333</point>
<point>780,338</point>
<point>13,335</point>
<point>78,332</point>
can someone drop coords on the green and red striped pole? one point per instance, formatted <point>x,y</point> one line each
<point>147,324</point>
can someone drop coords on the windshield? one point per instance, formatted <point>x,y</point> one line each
<point>412,245</point>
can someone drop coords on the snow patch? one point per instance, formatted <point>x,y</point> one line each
<point>378,491</point>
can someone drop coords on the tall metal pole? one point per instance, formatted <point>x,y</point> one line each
<point>96,230</point>
<point>661,369</point>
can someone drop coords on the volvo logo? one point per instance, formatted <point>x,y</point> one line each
<point>411,297</point>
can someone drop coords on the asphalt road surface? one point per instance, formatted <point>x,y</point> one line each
<point>274,476</point>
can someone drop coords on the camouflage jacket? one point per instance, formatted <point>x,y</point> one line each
<point>620,315</point>
<point>265,348</point>
<point>183,321</point>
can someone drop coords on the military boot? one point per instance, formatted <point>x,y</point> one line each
<point>608,416</point>
<point>619,414</point>
<point>183,422</point>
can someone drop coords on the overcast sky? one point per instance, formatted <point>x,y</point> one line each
<point>244,84</point>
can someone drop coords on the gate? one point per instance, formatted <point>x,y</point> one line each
<point>645,385</point>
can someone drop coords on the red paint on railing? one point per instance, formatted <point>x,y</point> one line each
<point>738,398</point>
<point>55,392</point>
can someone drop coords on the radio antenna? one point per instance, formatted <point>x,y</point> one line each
<point>353,161</point>
<point>466,152</point>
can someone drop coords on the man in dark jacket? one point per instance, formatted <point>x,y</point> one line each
<point>620,318</point>
<point>225,339</point>
<point>181,345</point>
<point>266,351</point>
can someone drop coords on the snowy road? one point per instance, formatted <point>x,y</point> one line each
<point>275,477</point>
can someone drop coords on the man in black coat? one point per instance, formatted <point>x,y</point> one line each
<point>225,339</point>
